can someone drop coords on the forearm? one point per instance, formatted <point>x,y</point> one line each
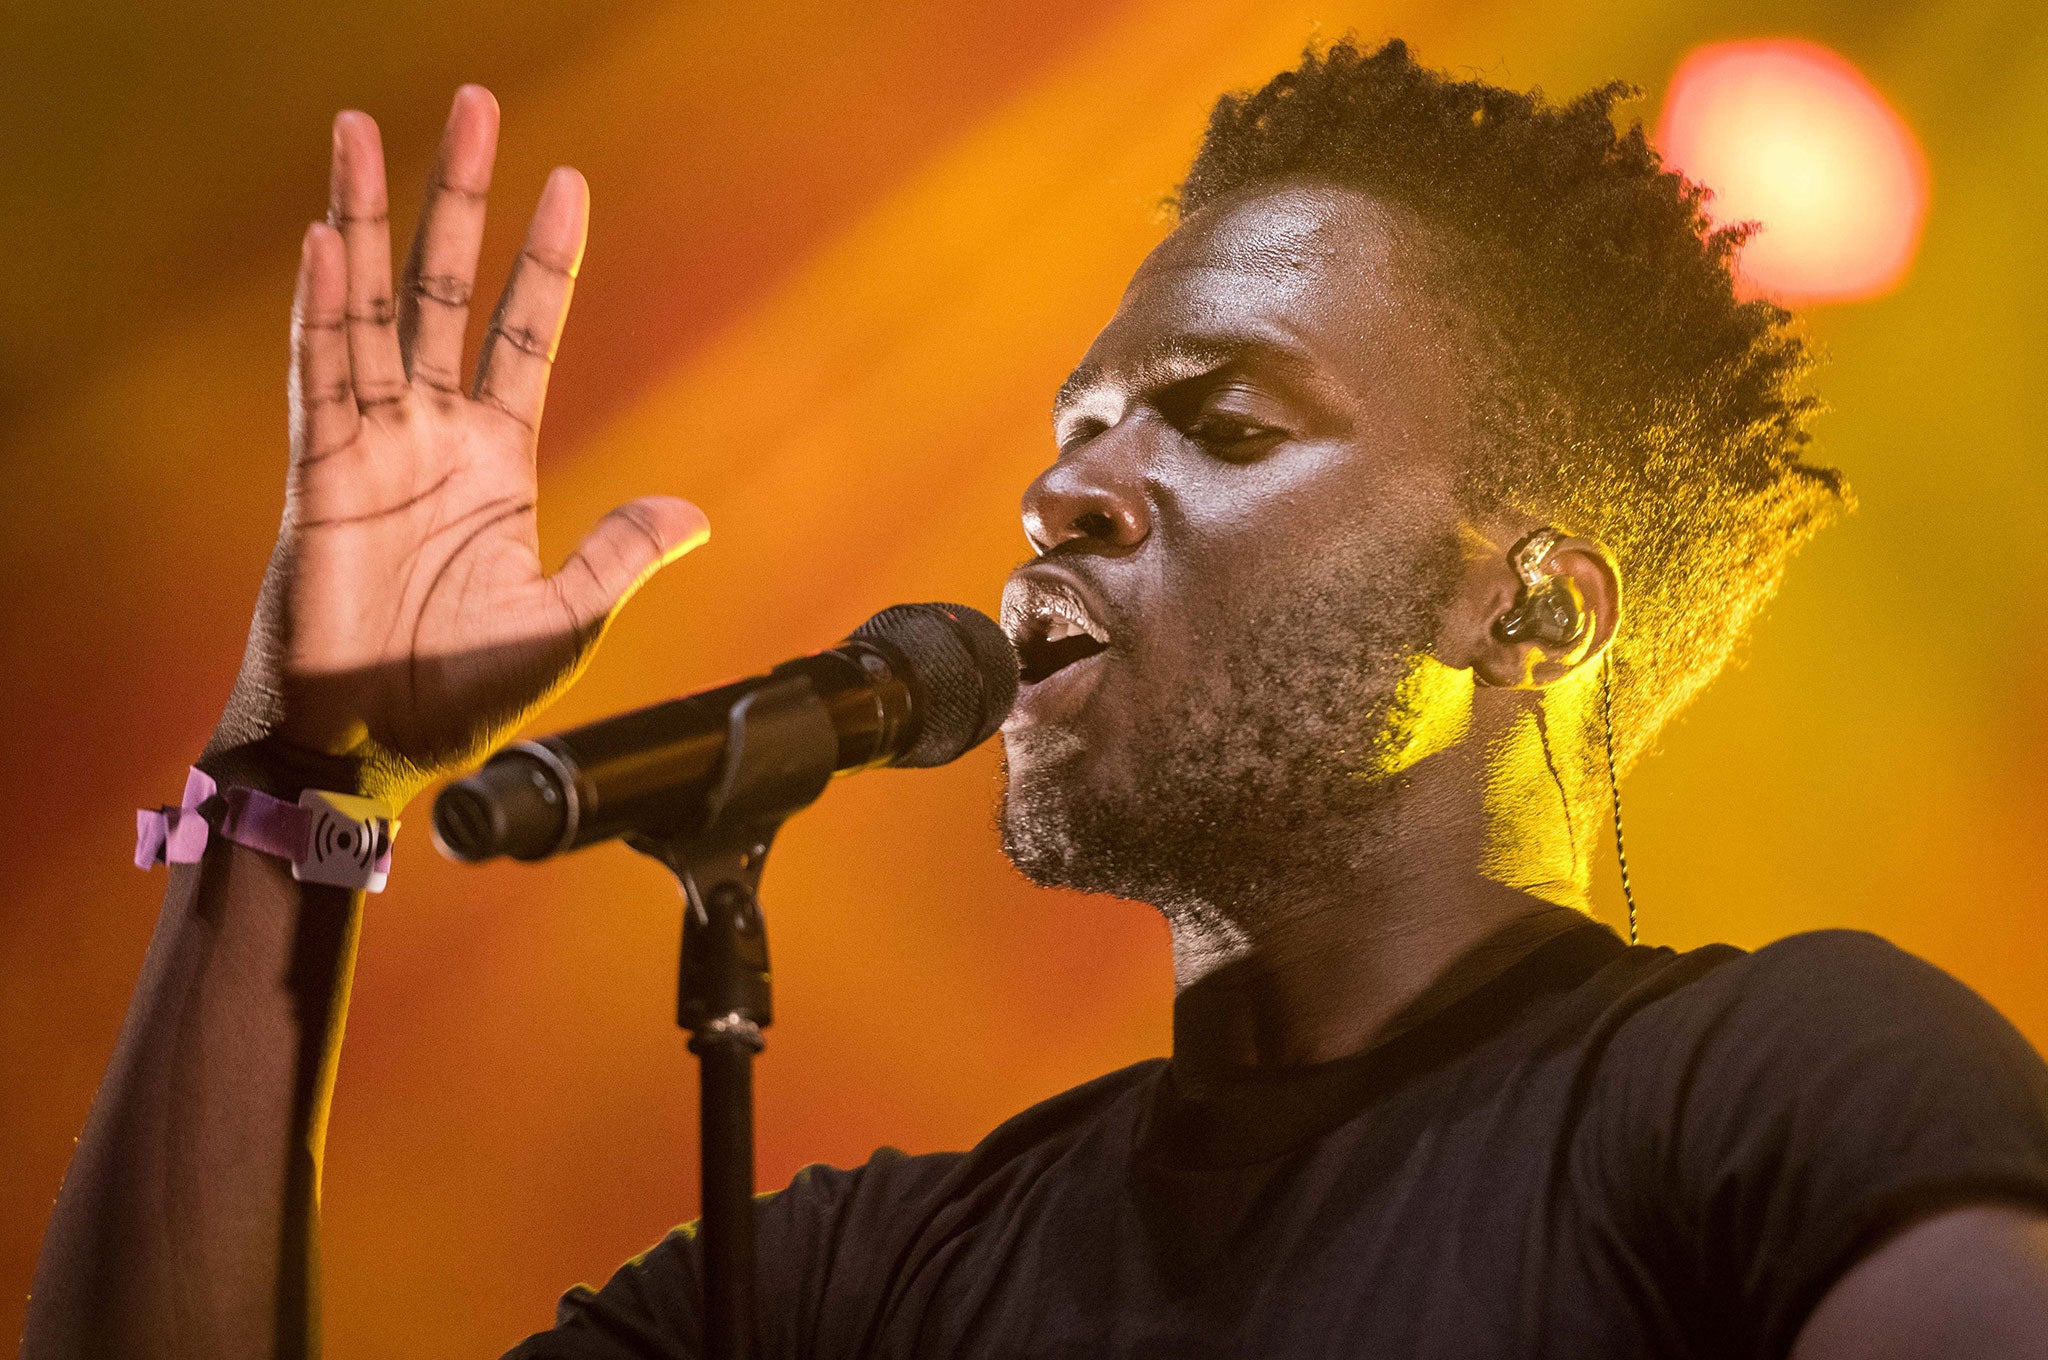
<point>188,1223</point>
<point>407,622</point>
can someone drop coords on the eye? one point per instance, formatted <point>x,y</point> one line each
<point>1232,436</point>
<point>1230,416</point>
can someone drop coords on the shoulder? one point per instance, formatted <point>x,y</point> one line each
<point>1828,966</point>
<point>1836,1069</point>
<point>1833,1048</point>
<point>1826,993</point>
<point>1112,1097</point>
<point>896,1184</point>
<point>830,1240</point>
<point>837,1241</point>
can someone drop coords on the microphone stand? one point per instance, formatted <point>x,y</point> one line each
<point>779,753</point>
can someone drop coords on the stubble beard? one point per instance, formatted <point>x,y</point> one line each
<point>1240,796</point>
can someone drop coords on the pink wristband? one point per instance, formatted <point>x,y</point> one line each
<point>328,837</point>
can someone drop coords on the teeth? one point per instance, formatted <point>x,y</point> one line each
<point>1065,618</point>
<point>1047,612</point>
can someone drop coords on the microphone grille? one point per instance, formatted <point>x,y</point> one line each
<point>961,671</point>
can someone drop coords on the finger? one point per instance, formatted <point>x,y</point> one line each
<point>627,546</point>
<point>519,349</point>
<point>358,207</point>
<point>433,296</point>
<point>323,405</point>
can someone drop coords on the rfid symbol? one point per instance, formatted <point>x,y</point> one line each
<point>335,839</point>
<point>348,842</point>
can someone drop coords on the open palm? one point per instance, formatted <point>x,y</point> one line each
<point>408,620</point>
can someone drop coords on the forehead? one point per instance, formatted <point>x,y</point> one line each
<point>1312,276</point>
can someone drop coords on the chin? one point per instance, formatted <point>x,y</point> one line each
<point>1064,824</point>
<point>1043,776</point>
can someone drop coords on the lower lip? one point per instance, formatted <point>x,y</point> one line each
<point>1059,696</point>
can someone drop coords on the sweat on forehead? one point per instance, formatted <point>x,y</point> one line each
<point>1281,233</point>
<point>1307,275</point>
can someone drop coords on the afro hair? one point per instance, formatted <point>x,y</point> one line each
<point>1628,393</point>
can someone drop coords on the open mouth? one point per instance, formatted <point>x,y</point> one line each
<point>1052,630</point>
<point>1041,659</point>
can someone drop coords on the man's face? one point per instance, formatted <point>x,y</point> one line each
<point>1246,542</point>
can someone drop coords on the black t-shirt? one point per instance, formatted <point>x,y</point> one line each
<point>1569,1148</point>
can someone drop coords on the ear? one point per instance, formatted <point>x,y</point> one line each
<point>1470,636</point>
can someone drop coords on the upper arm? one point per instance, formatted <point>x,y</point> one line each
<point>1968,1282</point>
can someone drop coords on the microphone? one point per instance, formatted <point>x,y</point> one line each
<point>916,685</point>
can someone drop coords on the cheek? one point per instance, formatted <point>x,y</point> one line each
<point>1240,537</point>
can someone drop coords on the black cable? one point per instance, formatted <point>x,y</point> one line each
<point>1614,787</point>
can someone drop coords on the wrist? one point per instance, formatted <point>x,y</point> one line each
<point>326,836</point>
<point>284,770</point>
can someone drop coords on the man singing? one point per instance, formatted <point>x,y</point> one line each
<point>1421,474</point>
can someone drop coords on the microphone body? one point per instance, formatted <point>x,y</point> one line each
<point>915,685</point>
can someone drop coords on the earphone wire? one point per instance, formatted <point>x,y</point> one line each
<point>1628,891</point>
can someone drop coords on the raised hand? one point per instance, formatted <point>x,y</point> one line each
<point>407,621</point>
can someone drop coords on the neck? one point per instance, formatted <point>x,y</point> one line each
<point>1470,838</point>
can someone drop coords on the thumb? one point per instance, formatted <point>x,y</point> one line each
<point>628,545</point>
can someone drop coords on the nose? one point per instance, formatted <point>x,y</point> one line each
<point>1096,493</point>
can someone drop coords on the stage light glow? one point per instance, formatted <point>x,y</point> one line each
<point>1793,136</point>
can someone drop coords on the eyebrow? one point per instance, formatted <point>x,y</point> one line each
<point>1179,358</point>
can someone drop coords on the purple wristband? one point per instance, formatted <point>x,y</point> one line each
<point>328,837</point>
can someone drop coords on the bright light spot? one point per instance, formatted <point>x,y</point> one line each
<point>1791,135</point>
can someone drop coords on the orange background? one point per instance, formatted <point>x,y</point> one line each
<point>840,257</point>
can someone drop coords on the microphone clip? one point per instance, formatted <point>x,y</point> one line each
<point>780,751</point>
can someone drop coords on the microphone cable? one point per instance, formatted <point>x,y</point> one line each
<point>1628,891</point>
